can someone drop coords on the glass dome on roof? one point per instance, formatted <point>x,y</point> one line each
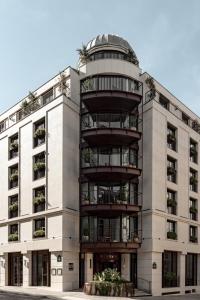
<point>109,39</point>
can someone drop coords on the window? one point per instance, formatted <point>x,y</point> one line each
<point>171,169</point>
<point>39,228</point>
<point>119,156</point>
<point>13,176</point>
<point>110,193</point>
<point>13,233</point>
<point>193,151</point>
<point>169,269</point>
<point>39,166</point>
<point>164,101</point>
<point>171,137</point>
<point>39,133</point>
<point>47,97</point>
<point>191,269</point>
<point>171,202</point>
<point>185,118</point>
<point>110,83</point>
<point>171,230</point>
<point>193,209</point>
<point>193,180</point>
<point>13,146</point>
<point>193,234</point>
<point>39,199</point>
<point>13,207</point>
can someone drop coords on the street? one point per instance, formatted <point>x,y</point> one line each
<point>8,295</point>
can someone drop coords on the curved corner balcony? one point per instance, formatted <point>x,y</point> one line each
<point>113,129</point>
<point>110,93</point>
<point>116,163</point>
<point>111,173</point>
<point>111,202</point>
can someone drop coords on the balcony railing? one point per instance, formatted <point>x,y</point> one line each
<point>109,197</point>
<point>96,157</point>
<point>122,121</point>
<point>111,235</point>
<point>111,83</point>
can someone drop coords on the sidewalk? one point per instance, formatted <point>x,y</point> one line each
<point>73,295</point>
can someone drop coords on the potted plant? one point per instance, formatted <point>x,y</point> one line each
<point>171,202</point>
<point>150,83</point>
<point>169,276</point>
<point>193,210</point>
<point>39,233</point>
<point>13,207</point>
<point>14,176</point>
<point>14,145</point>
<point>83,54</point>
<point>39,133</point>
<point>171,138</point>
<point>40,165</point>
<point>39,199</point>
<point>171,235</point>
<point>171,170</point>
<point>193,239</point>
<point>193,180</point>
<point>13,237</point>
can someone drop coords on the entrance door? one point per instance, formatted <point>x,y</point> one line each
<point>41,268</point>
<point>15,261</point>
<point>104,261</point>
<point>134,269</point>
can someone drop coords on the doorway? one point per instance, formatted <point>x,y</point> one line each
<point>15,266</point>
<point>104,261</point>
<point>41,268</point>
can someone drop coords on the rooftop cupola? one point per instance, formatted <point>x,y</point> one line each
<point>107,46</point>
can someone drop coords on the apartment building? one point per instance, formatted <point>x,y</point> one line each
<point>99,168</point>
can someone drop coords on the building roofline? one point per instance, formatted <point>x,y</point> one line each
<point>181,102</point>
<point>4,112</point>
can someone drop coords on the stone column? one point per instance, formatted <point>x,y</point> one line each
<point>125,266</point>
<point>27,269</point>
<point>2,270</point>
<point>88,267</point>
<point>181,271</point>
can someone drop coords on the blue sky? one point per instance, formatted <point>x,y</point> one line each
<point>39,38</point>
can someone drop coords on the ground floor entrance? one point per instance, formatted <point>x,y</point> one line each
<point>41,268</point>
<point>106,260</point>
<point>92,263</point>
<point>15,269</point>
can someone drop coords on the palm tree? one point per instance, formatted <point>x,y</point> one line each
<point>83,53</point>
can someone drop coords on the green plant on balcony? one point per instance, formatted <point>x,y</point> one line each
<point>14,145</point>
<point>193,179</point>
<point>14,176</point>
<point>39,233</point>
<point>39,199</point>
<point>193,239</point>
<point>151,85</point>
<point>169,276</point>
<point>193,210</point>
<point>171,138</point>
<point>86,156</point>
<point>171,170</point>
<point>13,237</point>
<point>193,150</point>
<point>39,133</point>
<point>130,56</point>
<point>171,235</point>
<point>88,84</point>
<point>40,165</point>
<point>13,207</point>
<point>83,54</point>
<point>171,202</point>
